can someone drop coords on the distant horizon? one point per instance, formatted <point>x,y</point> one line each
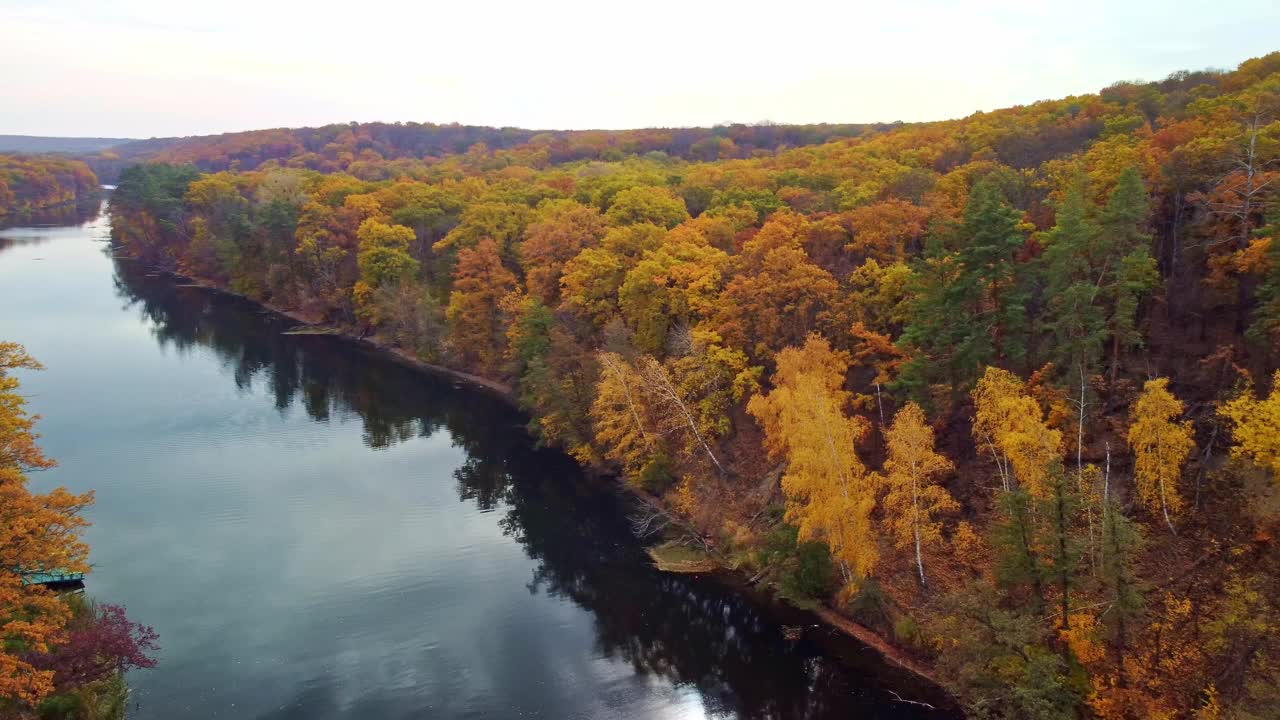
<point>669,126</point>
<point>148,69</point>
<point>757,123</point>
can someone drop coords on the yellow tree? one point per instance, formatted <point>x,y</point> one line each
<point>914,499</point>
<point>989,421</point>
<point>1160,446</point>
<point>1256,427</point>
<point>679,281</point>
<point>590,280</point>
<point>384,261</point>
<point>876,303</point>
<point>1009,424</point>
<point>501,222</point>
<point>829,493</point>
<point>622,420</point>
<point>1034,449</point>
<point>647,204</point>
<point>36,531</point>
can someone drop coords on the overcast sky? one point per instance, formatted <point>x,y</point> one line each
<point>142,68</point>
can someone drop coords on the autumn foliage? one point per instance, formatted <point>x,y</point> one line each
<point>806,421</point>
<point>35,182</point>
<point>996,373</point>
<point>46,647</point>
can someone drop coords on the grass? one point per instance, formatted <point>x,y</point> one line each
<point>311,330</point>
<point>678,558</point>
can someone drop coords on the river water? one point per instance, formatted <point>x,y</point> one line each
<point>317,532</point>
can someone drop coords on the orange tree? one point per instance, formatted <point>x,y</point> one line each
<point>36,531</point>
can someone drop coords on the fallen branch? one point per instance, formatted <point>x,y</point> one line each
<point>900,699</point>
<point>648,521</point>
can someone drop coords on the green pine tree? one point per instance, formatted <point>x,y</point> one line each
<point>1073,314</point>
<point>1121,543</point>
<point>1266,316</point>
<point>969,307</point>
<point>989,240</point>
<point>1123,252</point>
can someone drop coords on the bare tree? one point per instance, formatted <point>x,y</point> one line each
<point>671,401</point>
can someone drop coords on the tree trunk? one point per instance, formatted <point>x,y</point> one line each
<point>1063,578</point>
<point>1115,361</point>
<point>915,523</point>
<point>668,393</point>
<point>919,559</point>
<point>1164,505</point>
<point>631,405</point>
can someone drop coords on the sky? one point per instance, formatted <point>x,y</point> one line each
<point>156,68</point>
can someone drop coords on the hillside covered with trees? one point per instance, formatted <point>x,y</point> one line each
<point>369,151</point>
<point>35,182</point>
<point>36,144</point>
<point>1000,388</point>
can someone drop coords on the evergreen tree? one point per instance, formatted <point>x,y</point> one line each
<point>1123,252</point>
<point>1266,316</point>
<point>1000,652</point>
<point>556,379</point>
<point>935,333</point>
<point>970,305</point>
<point>1061,540</point>
<point>990,238</point>
<point>1073,315</point>
<point>1017,562</point>
<point>1121,543</point>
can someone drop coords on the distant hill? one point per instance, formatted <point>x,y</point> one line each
<point>38,144</point>
<point>348,147</point>
<point>358,147</point>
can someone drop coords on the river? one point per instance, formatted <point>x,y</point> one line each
<point>318,532</point>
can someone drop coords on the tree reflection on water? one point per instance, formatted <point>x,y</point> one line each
<point>692,632</point>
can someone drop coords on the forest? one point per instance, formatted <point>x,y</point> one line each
<point>370,150</point>
<point>1001,389</point>
<point>35,182</point>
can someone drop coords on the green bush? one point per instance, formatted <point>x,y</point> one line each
<point>907,631</point>
<point>656,477</point>
<point>812,573</point>
<point>870,607</point>
<point>103,700</point>
<point>804,570</point>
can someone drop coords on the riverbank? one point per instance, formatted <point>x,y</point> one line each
<point>502,390</point>
<point>61,212</point>
<point>32,184</point>
<point>738,579</point>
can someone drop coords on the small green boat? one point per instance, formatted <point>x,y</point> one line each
<point>51,577</point>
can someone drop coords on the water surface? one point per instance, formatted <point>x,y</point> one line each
<point>317,532</point>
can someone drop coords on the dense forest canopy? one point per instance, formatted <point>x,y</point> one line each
<point>41,144</point>
<point>41,181</point>
<point>999,387</point>
<point>363,149</point>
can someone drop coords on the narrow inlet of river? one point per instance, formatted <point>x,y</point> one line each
<point>318,532</point>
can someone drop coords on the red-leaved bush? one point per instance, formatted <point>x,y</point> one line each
<point>100,641</point>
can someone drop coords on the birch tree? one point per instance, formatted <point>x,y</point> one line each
<point>830,495</point>
<point>915,499</point>
<point>622,424</point>
<point>1160,447</point>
